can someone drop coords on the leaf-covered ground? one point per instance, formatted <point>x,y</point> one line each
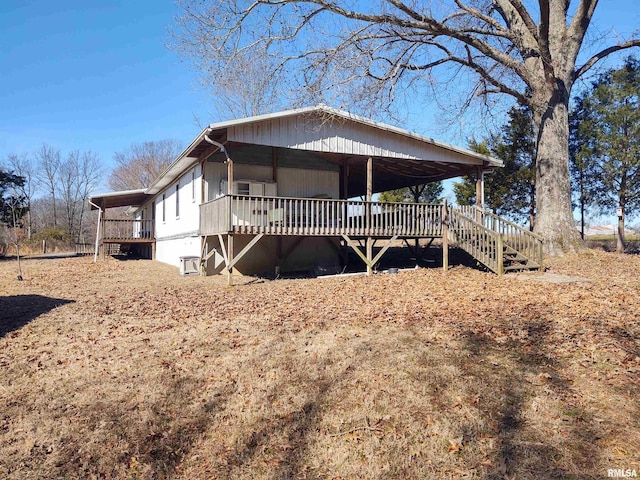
<point>127,370</point>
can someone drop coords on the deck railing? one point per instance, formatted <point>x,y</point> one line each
<point>514,236</point>
<point>127,229</point>
<point>84,248</point>
<point>481,242</point>
<point>314,216</point>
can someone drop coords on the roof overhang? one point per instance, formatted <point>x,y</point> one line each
<point>124,198</point>
<point>416,159</point>
<point>426,159</point>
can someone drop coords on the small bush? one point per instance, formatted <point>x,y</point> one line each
<point>51,235</point>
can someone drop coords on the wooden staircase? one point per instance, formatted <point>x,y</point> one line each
<point>500,245</point>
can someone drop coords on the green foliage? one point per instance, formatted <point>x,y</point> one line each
<point>425,193</point>
<point>13,201</point>
<point>510,190</point>
<point>52,235</point>
<point>605,140</point>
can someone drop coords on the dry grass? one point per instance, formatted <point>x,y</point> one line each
<point>126,370</point>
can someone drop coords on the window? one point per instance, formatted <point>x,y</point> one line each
<point>193,186</point>
<point>244,188</point>
<point>164,210</point>
<point>178,200</point>
<point>153,211</point>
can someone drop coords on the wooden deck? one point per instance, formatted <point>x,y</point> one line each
<point>495,242</point>
<point>127,231</point>
<point>242,214</point>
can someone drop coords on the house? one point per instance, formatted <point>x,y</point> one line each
<point>277,193</point>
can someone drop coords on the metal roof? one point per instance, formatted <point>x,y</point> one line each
<point>123,198</point>
<point>402,158</point>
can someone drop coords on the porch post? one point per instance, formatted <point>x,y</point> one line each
<point>368,214</point>
<point>95,255</point>
<point>229,176</point>
<point>479,193</point>
<point>202,181</point>
<point>103,252</point>
<point>230,236</point>
<point>344,195</point>
<point>479,187</point>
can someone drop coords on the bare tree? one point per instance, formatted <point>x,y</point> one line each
<point>142,163</point>
<point>24,166</point>
<point>79,174</point>
<point>375,50</point>
<point>48,169</point>
<point>246,89</point>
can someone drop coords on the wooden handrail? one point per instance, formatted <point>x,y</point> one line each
<point>485,213</point>
<point>483,243</point>
<point>127,229</point>
<point>512,236</point>
<point>317,216</point>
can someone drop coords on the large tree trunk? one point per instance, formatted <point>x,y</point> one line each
<point>554,216</point>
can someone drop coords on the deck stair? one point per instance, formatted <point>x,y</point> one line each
<point>500,245</point>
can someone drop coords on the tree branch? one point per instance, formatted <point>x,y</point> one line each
<point>427,24</point>
<point>602,54</point>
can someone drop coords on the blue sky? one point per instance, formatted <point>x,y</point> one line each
<point>96,75</point>
<point>92,75</point>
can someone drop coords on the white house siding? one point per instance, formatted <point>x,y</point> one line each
<point>178,236</point>
<point>291,182</point>
<point>169,250</point>
<point>303,183</point>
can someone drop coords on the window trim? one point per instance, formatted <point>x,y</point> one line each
<point>193,185</point>
<point>177,200</point>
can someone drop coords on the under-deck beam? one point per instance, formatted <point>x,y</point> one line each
<point>368,261</point>
<point>245,250</point>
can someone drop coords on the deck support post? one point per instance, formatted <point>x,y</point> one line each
<point>369,218</point>
<point>500,254</point>
<point>445,235</point>
<point>204,256</point>
<point>229,259</point>
<point>369,251</point>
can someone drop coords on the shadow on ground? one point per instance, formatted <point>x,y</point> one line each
<point>522,450</point>
<point>16,311</point>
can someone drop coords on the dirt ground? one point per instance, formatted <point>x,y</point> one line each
<point>124,369</point>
